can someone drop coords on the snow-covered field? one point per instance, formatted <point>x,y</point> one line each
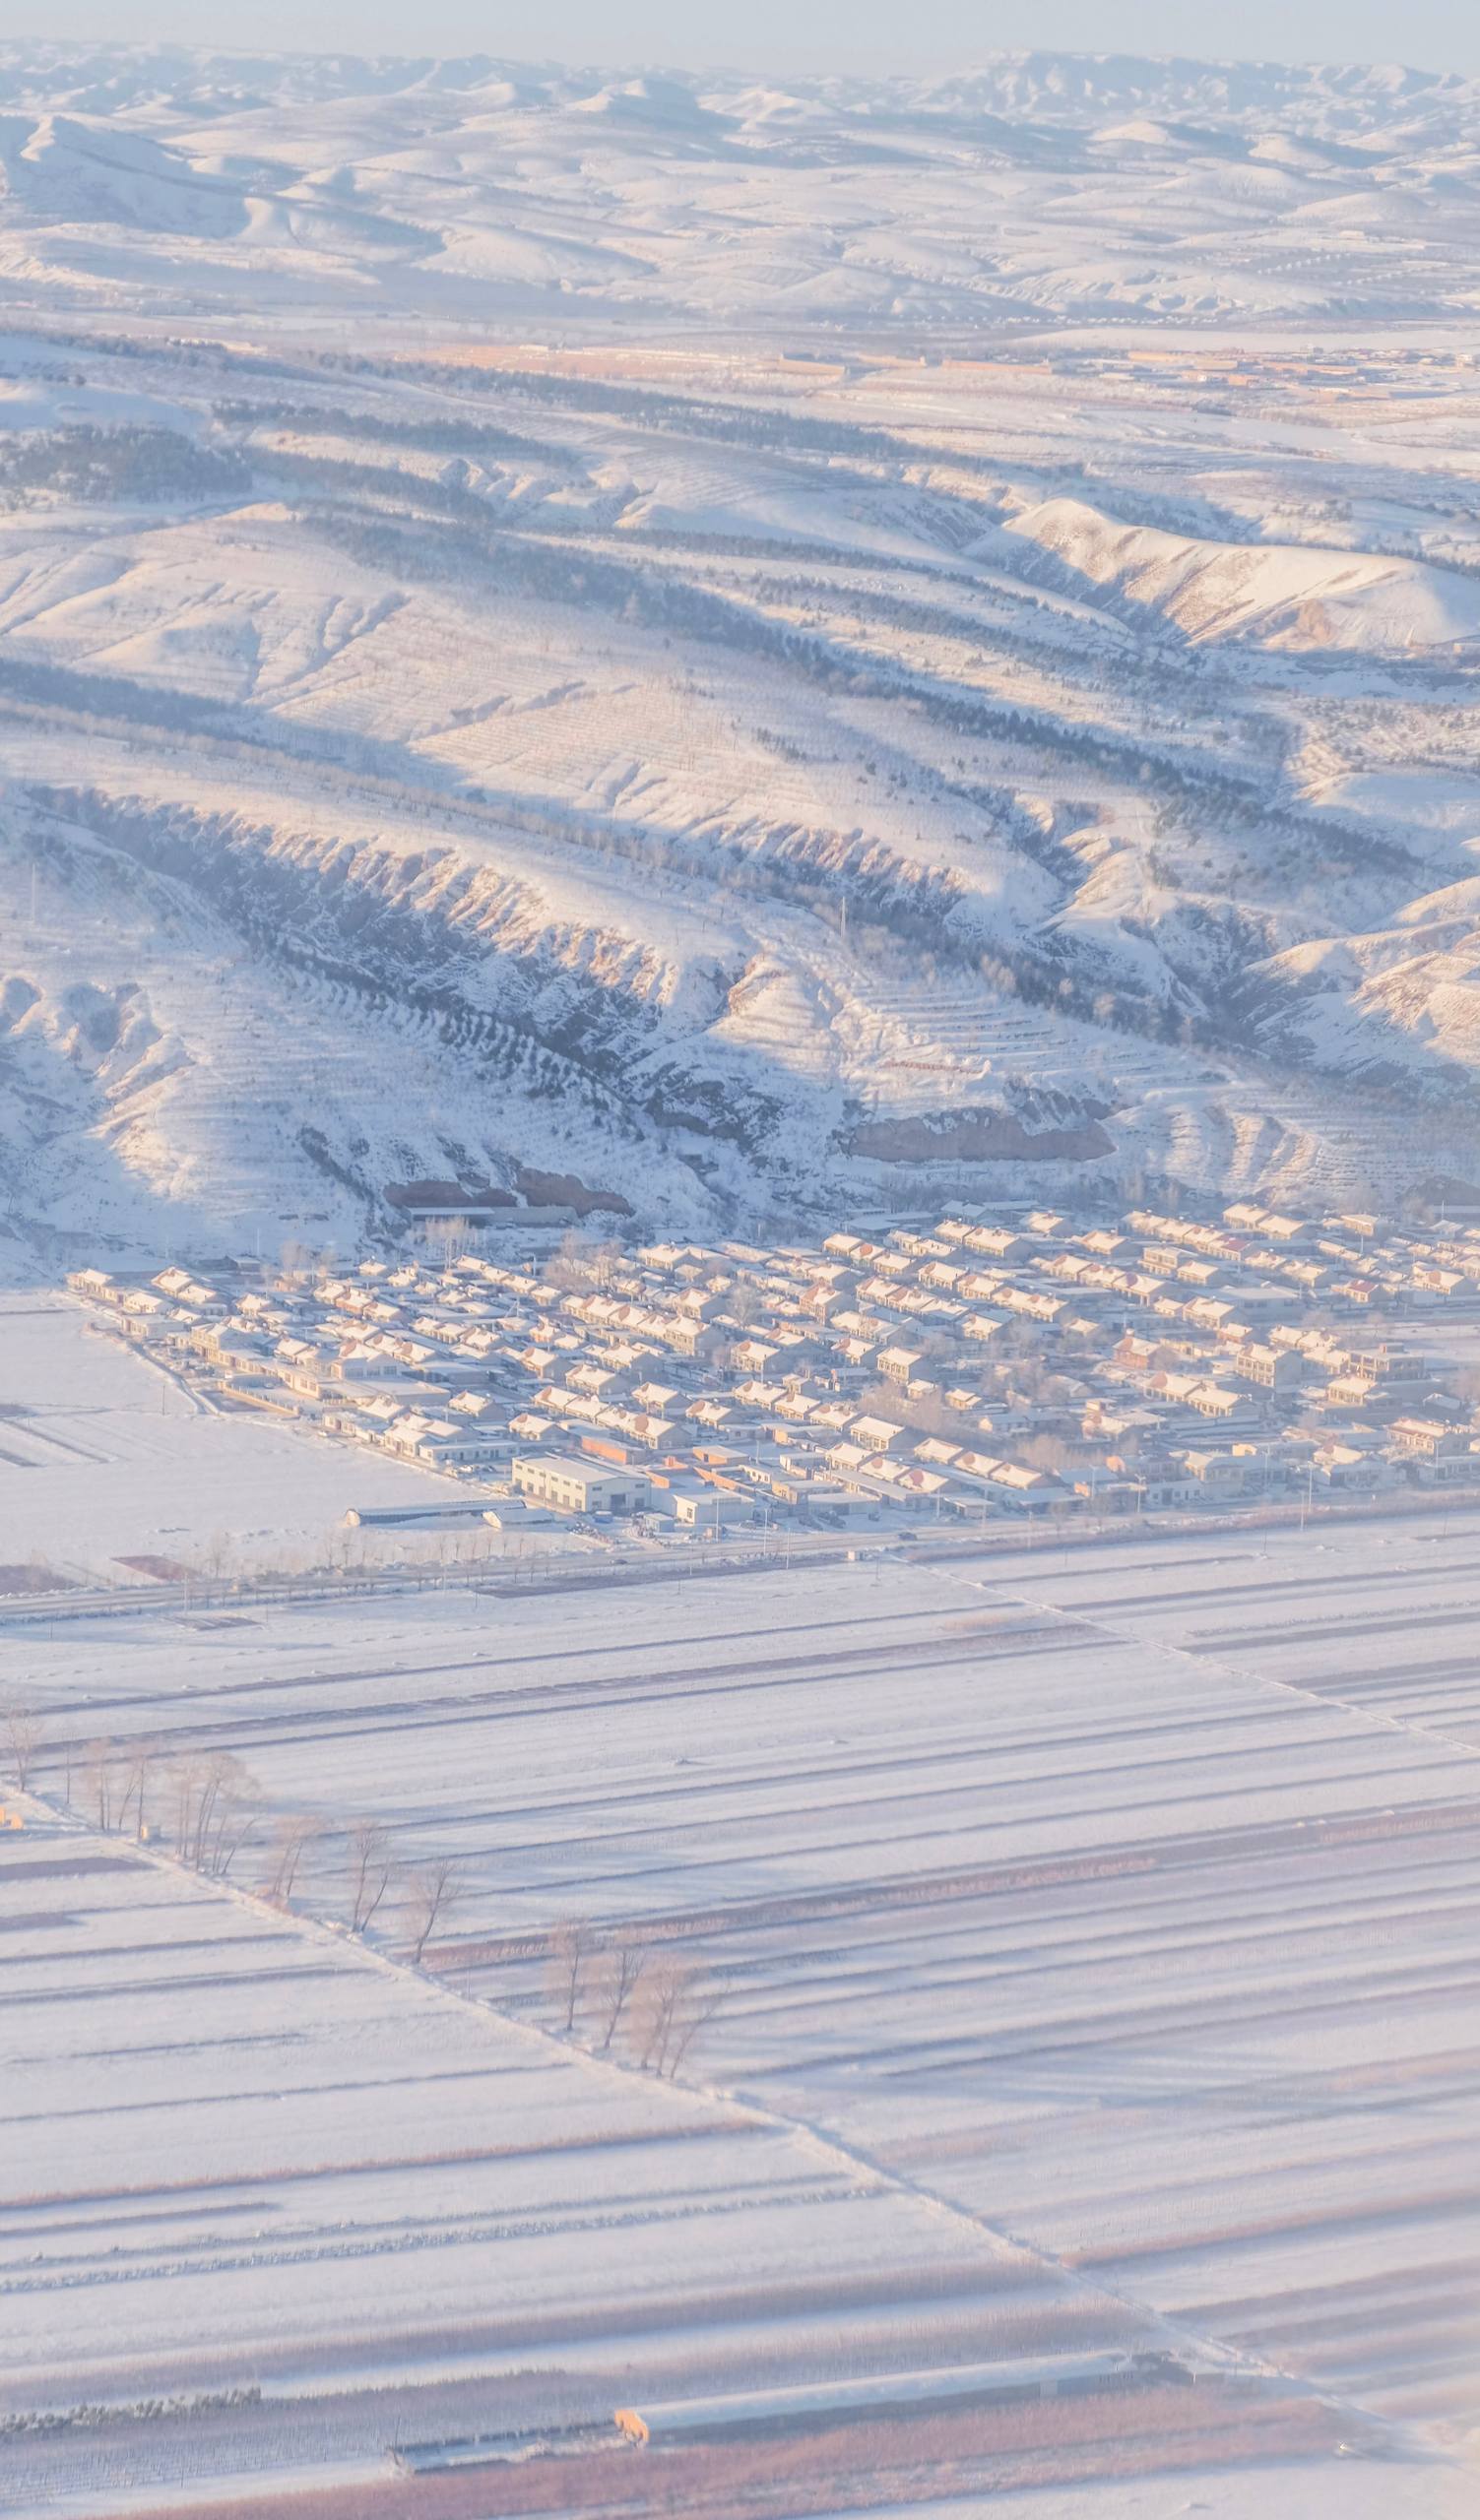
<point>104,1457</point>
<point>303,2172</point>
<point>1091,1939</point>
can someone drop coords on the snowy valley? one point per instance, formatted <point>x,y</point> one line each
<point>536,629</point>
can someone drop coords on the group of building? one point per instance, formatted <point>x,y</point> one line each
<point>1022,1363</point>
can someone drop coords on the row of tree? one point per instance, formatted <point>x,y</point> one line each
<point>205,1807</point>
<point>620,1991</point>
<point>610,1991</point>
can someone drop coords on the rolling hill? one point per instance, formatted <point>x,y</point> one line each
<point>782,647</point>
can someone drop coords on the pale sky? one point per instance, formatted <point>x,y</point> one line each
<point>811,34</point>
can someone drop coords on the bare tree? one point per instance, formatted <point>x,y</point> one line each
<point>291,1839</point>
<point>233,1822</point>
<point>570,1951</point>
<point>211,1778</point>
<point>186,1777</point>
<point>99,1781</point>
<point>217,1553</point>
<point>579,1262</point>
<point>606,1260</point>
<point>449,1236</point>
<point>432,1890</point>
<point>671,2005</point>
<point>743,1305</point>
<point>616,1978</point>
<point>214,1809</point>
<point>371,1871</point>
<point>700,2002</point>
<point>650,2014</point>
<point>137,1768</point>
<point>21,1738</point>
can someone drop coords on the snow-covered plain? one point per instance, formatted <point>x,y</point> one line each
<point>710,632</point>
<point>1106,1915</point>
<point>103,1458</point>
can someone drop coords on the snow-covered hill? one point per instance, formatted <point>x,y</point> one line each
<point>478,190</point>
<point>1287,594</point>
<point>776,646</point>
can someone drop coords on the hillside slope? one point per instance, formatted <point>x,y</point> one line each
<point>1286,595</point>
<point>780,647</point>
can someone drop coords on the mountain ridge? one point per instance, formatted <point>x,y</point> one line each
<point>602,640</point>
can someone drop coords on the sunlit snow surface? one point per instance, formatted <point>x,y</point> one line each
<point>665,624</point>
<point>704,634</point>
<point>1095,1929</point>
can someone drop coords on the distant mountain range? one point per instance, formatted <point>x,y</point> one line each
<point>1046,87</point>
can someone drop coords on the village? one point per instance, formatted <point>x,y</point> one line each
<point>1027,1365</point>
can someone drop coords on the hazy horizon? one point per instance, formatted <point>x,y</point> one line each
<point>1436,36</point>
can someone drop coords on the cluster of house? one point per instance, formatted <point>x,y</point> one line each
<point>1025,1365</point>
